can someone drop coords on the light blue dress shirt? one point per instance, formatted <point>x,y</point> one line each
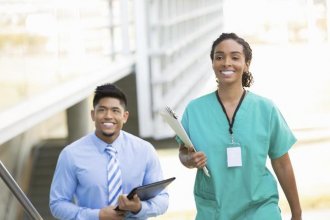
<point>79,186</point>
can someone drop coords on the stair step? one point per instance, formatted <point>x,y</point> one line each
<point>45,158</point>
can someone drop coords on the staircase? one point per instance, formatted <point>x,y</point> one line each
<point>45,157</point>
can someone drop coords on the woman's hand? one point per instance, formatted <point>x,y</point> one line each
<point>192,159</point>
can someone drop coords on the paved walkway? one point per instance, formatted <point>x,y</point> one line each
<point>311,166</point>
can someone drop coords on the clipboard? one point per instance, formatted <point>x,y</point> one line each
<point>172,120</point>
<point>149,191</point>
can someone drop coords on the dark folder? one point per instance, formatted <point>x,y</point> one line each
<point>150,190</point>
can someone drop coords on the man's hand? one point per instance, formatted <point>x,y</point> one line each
<point>109,212</point>
<point>134,205</point>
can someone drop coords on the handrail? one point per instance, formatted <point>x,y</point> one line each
<point>30,112</point>
<point>19,194</point>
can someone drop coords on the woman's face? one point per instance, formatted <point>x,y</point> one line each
<point>229,62</point>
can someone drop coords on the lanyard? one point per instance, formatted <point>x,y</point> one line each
<point>224,110</point>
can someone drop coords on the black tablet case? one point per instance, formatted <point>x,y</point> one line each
<point>150,190</point>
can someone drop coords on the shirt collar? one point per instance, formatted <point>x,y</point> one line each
<point>101,145</point>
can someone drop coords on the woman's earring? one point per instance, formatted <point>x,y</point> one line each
<point>217,80</point>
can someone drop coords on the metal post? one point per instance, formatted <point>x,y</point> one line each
<point>19,194</point>
<point>143,69</point>
<point>327,9</point>
<point>124,27</point>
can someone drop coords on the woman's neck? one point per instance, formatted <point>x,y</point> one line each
<point>230,94</point>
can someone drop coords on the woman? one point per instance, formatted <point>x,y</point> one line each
<point>234,131</point>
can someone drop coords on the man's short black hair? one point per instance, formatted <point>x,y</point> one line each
<point>109,90</point>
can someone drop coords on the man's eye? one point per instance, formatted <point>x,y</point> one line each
<point>116,110</point>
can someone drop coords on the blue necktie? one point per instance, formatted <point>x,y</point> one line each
<point>114,176</point>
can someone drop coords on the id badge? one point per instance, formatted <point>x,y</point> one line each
<point>234,155</point>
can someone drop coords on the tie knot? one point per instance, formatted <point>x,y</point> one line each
<point>110,150</point>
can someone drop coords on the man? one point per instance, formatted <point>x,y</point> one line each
<point>80,189</point>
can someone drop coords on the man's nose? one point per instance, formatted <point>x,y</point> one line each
<point>108,113</point>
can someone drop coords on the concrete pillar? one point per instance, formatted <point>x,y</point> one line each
<point>78,120</point>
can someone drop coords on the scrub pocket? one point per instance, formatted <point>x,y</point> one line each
<point>205,198</point>
<point>206,209</point>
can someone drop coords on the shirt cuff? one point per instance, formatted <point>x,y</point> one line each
<point>94,214</point>
<point>142,212</point>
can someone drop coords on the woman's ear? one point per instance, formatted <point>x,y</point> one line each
<point>247,66</point>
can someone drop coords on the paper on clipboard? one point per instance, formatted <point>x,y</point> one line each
<point>177,127</point>
<point>172,120</point>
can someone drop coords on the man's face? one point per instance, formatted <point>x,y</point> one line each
<point>109,117</point>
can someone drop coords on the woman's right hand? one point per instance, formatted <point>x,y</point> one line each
<point>192,159</point>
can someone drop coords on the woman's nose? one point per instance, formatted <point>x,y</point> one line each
<point>227,62</point>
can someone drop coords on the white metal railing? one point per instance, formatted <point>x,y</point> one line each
<point>19,194</point>
<point>77,46</point>
<point>31,112</point>
<point>177,36</point>
<point>169,41</point>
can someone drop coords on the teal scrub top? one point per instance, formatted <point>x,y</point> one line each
<point>247,192</point>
